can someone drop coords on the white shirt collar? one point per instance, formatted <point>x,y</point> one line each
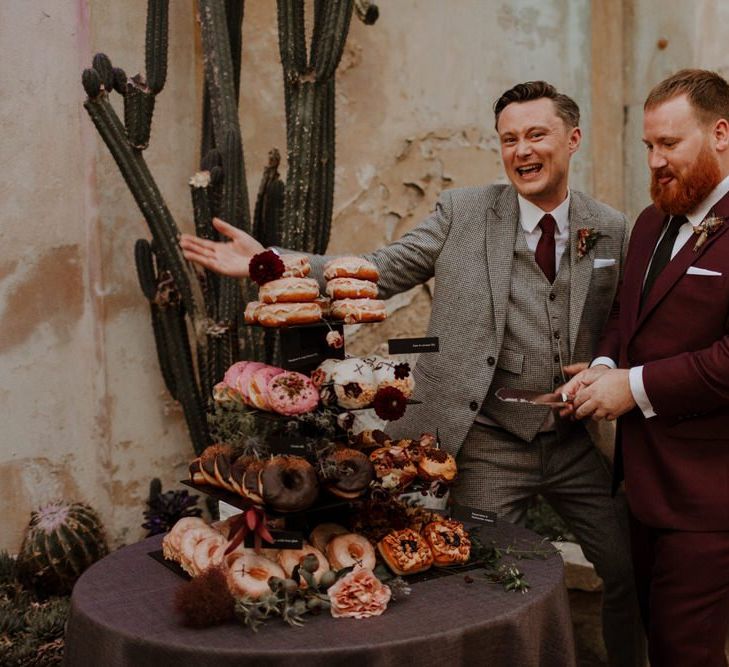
<point>701,211</point>
<point>530,214</point>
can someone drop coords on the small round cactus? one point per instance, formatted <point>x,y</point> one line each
<point>61,541</point>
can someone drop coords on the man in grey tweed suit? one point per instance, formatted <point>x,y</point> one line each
<point>517,298</point>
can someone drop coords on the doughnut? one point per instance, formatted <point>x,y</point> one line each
<point>208,463</point>
<point>350,550</point>
<point>196,476</point>
<point>248,575</point>
<point>354,383</point>
<point>258,386</point>
<point>241,382</point>
<point>384,372</point>
<point>281,314</point>
<point>295,265</point>
<point>231,376</point>
<point>371,439</point>
<point>288,559</point>
<point>352,311</point>
<point>325,303</point>
<point>188,544</point>
<point>288,483</point>
<point>250,314</point>
<point>323,533</point>
<point>250,485</point>
<point>291,393</point>
<point>448,542</point>
<point>351,288</point>
<point>437,465</point>
<point>171,541</point>
<point>208,552</point>
<point>393,467</point>
<point>405,552</point>
<point>351,267</point>
<point>322,374</point>
<point>354,472</point>
<point>237,472</point>
<point>289,290</point>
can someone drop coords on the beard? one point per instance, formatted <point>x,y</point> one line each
<point>686,191</point>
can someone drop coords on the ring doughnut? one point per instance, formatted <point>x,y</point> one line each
<point>291,393</point>
<point>351,267</point>
<point>288,559</point>
<point>323,533</point>
<point>289,290</point>
<point>354,473</point>
<point>208,552</point>
<point>258,386</point>
<point>281,314</point>
<point>359,310</point>
<point>351,288</point>
<point>350,550</point>
<point>250,315</point>
<point>171,541</point>
<point>248,575</point>
<point>288,483</point>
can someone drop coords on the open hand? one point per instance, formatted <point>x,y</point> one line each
<point>607,397</point>
<point>230,258</point>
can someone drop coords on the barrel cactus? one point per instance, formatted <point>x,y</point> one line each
<point>61,541</point>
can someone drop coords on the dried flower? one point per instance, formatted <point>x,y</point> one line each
<point>402,370</point>
<point>587,238</point>
<point>389,403</point>
<point>265,267</point>
<point>206,600</point>
<point>335,340</point>
<point>705,229</point>
<point>359,594</point>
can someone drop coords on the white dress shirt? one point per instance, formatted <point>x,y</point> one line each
<point>529,217</point>
<point>685,232</point>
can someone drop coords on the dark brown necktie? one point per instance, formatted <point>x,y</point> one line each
<point>662,255</point>
<point>545,252</point>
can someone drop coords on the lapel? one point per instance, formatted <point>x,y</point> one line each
<point>501,225</point>
<point>680,263</point>
<point>580,268</point>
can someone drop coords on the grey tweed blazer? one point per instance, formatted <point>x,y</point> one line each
<point>467,244</point>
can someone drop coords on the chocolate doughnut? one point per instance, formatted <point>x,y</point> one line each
<point>354,472</point>
<point>288,483</point>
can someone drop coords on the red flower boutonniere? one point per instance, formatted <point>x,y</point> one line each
<point>705,229</point>
<point>587,237</point>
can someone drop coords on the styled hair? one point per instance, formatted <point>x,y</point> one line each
<point>707,92</point>
<point>565,107</point>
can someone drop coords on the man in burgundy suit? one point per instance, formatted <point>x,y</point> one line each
<point>669,338</point>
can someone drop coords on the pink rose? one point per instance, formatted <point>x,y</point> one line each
<point>335,340</point>
<point>359,594</point>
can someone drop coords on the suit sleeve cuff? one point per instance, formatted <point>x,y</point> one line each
<point>603,361</point>
<point>637,388</point>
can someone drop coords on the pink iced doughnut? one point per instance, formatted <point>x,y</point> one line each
<point>241,383</point>
<point>257,386</point>
<point>292,393</point>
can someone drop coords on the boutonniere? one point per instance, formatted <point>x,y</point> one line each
<point>705,229</point>
<point>587,237</point>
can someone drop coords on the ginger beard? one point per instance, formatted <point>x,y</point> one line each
<point>686,191</point>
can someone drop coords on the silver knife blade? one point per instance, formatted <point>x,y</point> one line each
<point>552,400</point>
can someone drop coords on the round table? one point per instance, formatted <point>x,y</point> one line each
<point>122,615</point>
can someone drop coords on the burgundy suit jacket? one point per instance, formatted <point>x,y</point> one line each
<point>676,464</point>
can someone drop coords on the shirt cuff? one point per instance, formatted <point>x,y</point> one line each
<point>603,361</point>
<point>638,390</point>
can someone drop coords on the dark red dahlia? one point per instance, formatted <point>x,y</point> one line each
<point>265,267</point>
<point>402,370</point>
<point>389,403</point>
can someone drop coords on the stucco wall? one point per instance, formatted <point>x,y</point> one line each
<point>84,411</point>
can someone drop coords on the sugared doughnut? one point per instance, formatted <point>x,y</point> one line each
<point>248,575</point>
<point>291,393</point>
<point>437,465</point>
<point>448,541</point>
<point>390,373</point>
<point>282,314</point>
<point>350,550</point>
<point>323,533</point>
<point>351,267</point>
<point>171,541</point>
<point>354,383</point>
<point>288,483</point>
<point>288,559</point>
<point>352,311</point>
<point>405,552</point>
<point>295,265</point>
<point>258,386</point>
<point>353,475</point>
<point>351,288</point>
<point>289,290</point>
<point>250,314</point>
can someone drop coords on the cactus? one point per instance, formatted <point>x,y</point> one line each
<point>61,541</point>
<point>155,48</point>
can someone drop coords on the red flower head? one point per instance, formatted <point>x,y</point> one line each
<point>265,267</point>
<point>402,371</point>
<point>389,403</point>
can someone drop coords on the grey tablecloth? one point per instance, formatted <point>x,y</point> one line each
<point>122,615</point>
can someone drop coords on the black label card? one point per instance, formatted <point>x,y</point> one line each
<point>413,345</point>
<point>286,445</point>
<point>282,539</point>
<point>473,515</point>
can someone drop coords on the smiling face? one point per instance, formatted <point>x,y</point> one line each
<point>683,155</point>
<point>536,147</point>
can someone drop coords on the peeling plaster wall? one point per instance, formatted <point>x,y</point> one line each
<point>84,411</point>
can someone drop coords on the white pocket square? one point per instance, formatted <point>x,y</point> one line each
<point>602,263</point>
<point>698,271</point>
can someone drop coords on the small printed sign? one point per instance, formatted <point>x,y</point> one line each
<point>413,345</point>
<point>282,539</point>
<point>287,445</point>
<point>473,515</point>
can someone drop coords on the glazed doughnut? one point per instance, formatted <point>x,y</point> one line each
<point>323,533</point>
<point>448,541</point>
<point>171,541</point>
<point>281,314</point>
<point>288,483</point>
<point>384,372</point>
<point>351,288</point>
<point>289,290</point>
<point>250,315</point>
<point>208,552</point>
<point>350,550</point>
<point>405,552</point>
<point>354,383</point>
<point>325,303</point>
<point>393,467</point>
<point>437,465</point>
<point>352,311</point>
<point>354,472</point>
<point>291,393</point>
<point>351,267</point>
<point>295,265</point>
<point>258,386</point>
<point>248,575</point>
<point>288,559</point>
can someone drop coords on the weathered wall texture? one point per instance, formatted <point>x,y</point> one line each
<point>84,411</point>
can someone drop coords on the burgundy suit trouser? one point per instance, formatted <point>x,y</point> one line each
<point>682,579</point>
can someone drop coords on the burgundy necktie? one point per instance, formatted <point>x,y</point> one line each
<point>545,252</point>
